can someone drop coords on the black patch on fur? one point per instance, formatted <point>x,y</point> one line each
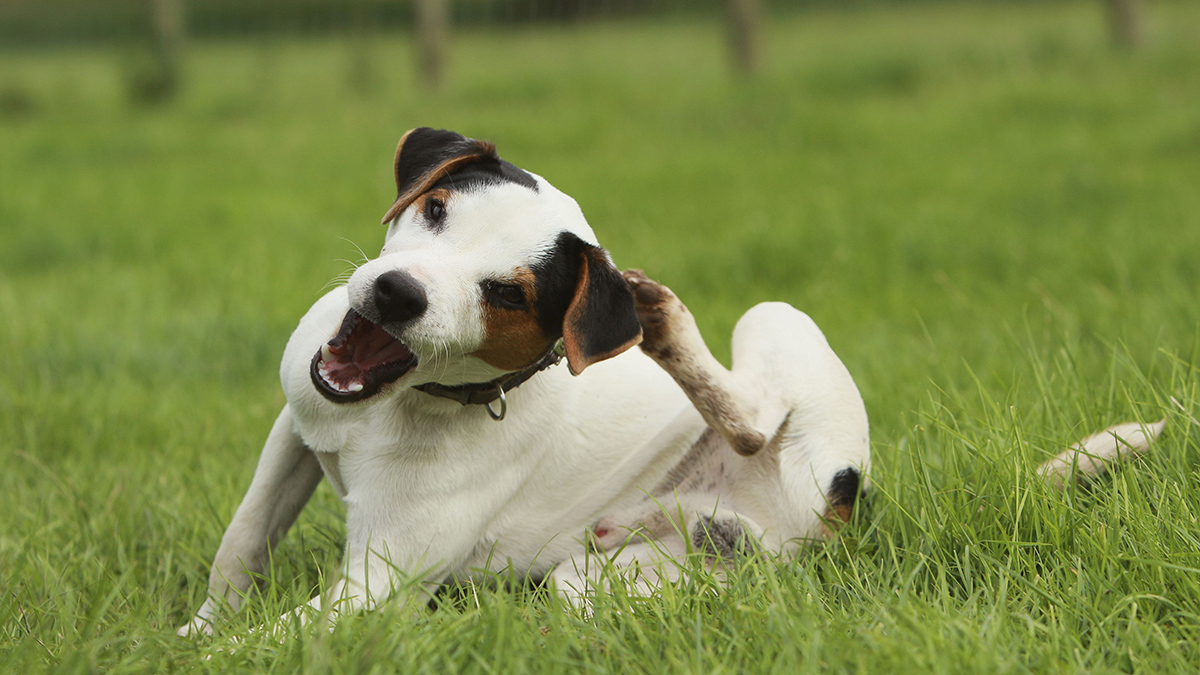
<point>609,320</point>
<point>425,149</point>
<point>556,275</point>
<point>723,538</point>
<point>844,488</point>
<point>484,173</point>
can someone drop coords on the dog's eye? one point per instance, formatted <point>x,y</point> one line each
<point>509,295</point>
<point>435,210</point>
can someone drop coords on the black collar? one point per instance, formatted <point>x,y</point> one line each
<point>482,393</point>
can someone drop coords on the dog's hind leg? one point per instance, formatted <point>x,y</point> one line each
<point>286,476</point>
<point>671,338</point>
<point>788,394</point>
<point>652,556</point>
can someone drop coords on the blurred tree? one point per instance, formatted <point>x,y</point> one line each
<point>1125,17</point>
<point>362,71</point>
<point>745,21</point>
<point>432,24</point>
<point>156,79</point>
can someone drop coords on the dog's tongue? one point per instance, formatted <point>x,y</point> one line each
<point>372,346</point>
<point>358,347</point>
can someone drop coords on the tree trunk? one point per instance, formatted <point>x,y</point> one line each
<point>745,23</point>
<point>1125,17</point>
<point>363,68</point>
<point>432,23</point>
<point>167,22</point>
<point>155,78</point>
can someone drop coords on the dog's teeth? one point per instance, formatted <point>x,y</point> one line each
<point>326,353</point>
<point>356,387</point>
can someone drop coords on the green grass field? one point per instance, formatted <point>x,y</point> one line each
<point>994,217</point>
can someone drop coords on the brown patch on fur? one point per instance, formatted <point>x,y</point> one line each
<point>581,362</point>
<point>837,515</point>
<point>572,343</point>
<point>513,339</point>
<point>443,195</point>
<point>834,518</point>
<point>844,491</point>
<point>483,150</point>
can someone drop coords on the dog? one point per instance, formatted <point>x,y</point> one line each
<point>429,391</point>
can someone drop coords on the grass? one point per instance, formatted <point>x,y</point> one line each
<point>994,217</point>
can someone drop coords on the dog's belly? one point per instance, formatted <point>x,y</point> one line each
<point>544,521</point>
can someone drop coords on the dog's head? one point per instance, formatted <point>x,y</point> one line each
<point>485,267</point>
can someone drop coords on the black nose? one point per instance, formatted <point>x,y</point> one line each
<point>398,297</point>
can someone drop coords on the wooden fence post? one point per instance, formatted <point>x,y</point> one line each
<point>745,24</point>
<point>1125,17</point>
<point>432,24</point>
<point>362,71</point>
<point>168,26</point>
<point>155,76</point>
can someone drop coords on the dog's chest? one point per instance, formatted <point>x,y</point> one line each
<point>500,493</point>
<point>391,464</point>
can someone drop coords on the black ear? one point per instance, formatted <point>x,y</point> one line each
<point>601,321</point>
<point>425,155</point>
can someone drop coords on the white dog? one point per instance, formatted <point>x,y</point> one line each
<point>426,390</point>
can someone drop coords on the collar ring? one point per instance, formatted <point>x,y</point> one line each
<point>503,404</point>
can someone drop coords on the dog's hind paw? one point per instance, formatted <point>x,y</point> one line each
<point>671,338</point>
<point>660,313</point>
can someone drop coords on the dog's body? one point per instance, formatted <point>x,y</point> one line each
<point>649,454</point>
<point>485,267</point>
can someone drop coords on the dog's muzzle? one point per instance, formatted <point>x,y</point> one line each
<point>359,361</point>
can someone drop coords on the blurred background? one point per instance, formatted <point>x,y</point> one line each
<point>933,181</point>
<point>888,165</point>
<point>161,29</point>
<point>179,179</point>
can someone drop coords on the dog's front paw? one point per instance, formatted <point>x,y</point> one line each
<point>659,312</point>
<point>197,626</point>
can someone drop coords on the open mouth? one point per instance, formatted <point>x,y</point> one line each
<point>359,361</point>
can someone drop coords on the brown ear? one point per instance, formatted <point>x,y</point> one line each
<point>601,321</point>
<point>425,155</point>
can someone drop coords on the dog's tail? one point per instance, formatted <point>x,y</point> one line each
<point>1094,455</point>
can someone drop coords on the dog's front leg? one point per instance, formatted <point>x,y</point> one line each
<point>671,338</point>
<point>366,583</point>
<point>286,476</point>
<point>377,569</point>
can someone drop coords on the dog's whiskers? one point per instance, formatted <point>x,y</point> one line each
<point>442,347</point>
<point>365,257</point>
<point>341,278</point>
